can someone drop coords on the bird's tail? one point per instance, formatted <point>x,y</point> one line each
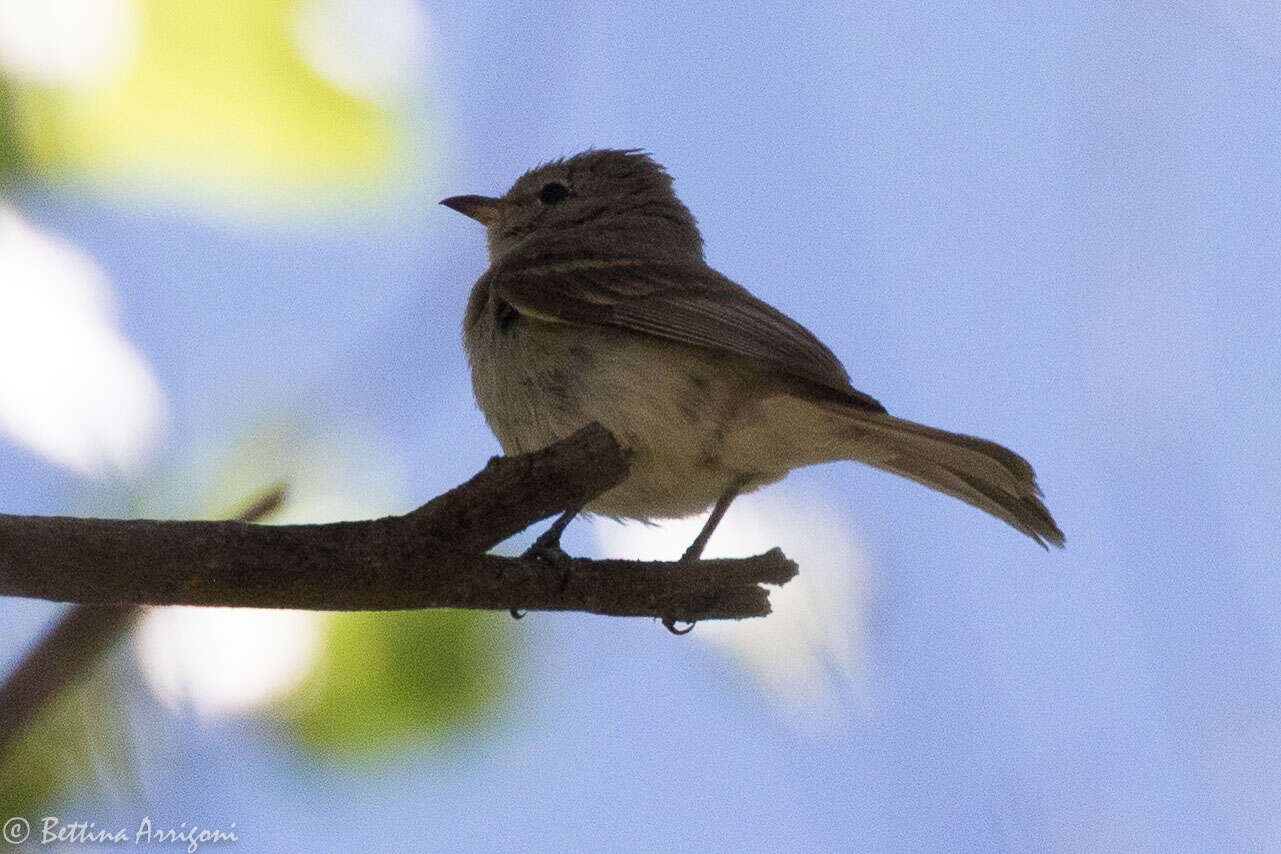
<point>979,472</point>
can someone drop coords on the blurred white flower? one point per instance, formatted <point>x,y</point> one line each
<point>71,387</point>
<point>371,49</point>
<point>226,660</point>
<point>67,42</point>
<point>808,654</point>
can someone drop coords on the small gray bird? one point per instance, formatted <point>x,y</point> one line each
<point>598,306</point>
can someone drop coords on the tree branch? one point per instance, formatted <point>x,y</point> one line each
<point>81,636</point>
<point>432,557</point>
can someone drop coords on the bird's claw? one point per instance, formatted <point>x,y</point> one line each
<point>550,552</point>
<point>669,623</point>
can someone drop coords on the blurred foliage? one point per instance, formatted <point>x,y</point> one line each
<point>78,737</point>
<point>216,99</point>
<point>382,680</point>
<point>387,681</point>
<point>11,159</point>
<point>81,733</point>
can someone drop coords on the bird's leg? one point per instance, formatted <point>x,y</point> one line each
<point>547,546</point>
<point>695,550</point>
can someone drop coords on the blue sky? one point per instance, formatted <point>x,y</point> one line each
<point>1055,227</point>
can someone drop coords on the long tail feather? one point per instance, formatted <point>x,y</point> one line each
<point>979,472</point>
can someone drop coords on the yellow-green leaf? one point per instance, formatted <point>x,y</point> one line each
<point>389,681</point>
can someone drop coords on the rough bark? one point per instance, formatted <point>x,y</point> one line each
<point>432,557</point>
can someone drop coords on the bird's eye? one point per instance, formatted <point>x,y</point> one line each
<point>552,193</point>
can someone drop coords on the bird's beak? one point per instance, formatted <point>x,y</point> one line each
<point>483,209</point>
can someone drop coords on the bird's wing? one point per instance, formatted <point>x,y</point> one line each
<point>689,303</point>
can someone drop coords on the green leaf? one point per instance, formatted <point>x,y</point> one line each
<point>388,681</point>
<point>12,161</point>
<point>217,102</point>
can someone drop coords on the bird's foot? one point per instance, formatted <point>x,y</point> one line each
<point>548,553</point>
<point>548,550</point>
<point>669,623</point>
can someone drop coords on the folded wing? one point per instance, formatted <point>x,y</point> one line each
<point>689,303</point>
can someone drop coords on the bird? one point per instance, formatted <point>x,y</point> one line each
<point>598,305</point>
